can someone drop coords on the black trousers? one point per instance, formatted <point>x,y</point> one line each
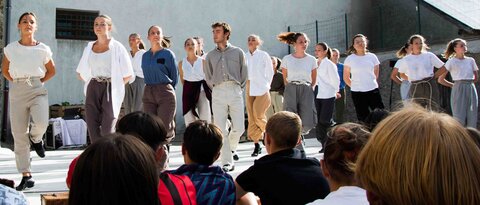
<point>324,115</point>
<point>364,102</point>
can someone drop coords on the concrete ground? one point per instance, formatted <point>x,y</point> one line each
<point>50,172</point>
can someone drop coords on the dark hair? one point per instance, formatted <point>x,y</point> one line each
<point>190,38</point>
<point>351,49</point>
<point>199,39</point>
<point>202,141</point>
<point>136,35</point>
<point>475,134</point>
<point>450,50</point>
<point>225,26</point>
<point>284,128</point>
<point>291,37</point>
<point>25,14</point>
<point>117,169</point>
<point>326,48</point>
<point>375,117</point>
<point>149,128</point>
<point>278,61</point>
<point>402,52</point>
<point>166,42</point>
<point>342,148</point>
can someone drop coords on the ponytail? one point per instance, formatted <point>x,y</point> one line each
<point>326,48</point>
<point>290,37</point>
<point>402,52</point>
<point>450,50</point>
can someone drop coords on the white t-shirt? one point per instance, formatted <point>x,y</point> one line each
<point>461,69</point>
<point>193,73</point>
<point>137,63</point>
<point>344,195</point>
<point>299,69</point>
<point>101,64</point>
<point>418,67</point>
<point>27,61</point>
<point>362,71</point>
<point>328,80</point>
<point>260,72</point>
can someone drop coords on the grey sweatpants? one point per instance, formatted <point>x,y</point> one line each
<point>28,117</point>
<point>298,98</point>
<point>464,101</point>
<point>133,95</point>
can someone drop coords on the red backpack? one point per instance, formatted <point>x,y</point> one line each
<point>176,190</point>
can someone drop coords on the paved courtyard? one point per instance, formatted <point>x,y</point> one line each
<point>50,172</point>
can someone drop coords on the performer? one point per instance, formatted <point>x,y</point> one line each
<point>196,93</point>
<point>404,84</point>
<point>464,71</point>
<point>105,67</point>
<point>134,90</point>
<point>340,102</point>
<point>260,74</point>
<point>276,88</point>
<point>27,64</point>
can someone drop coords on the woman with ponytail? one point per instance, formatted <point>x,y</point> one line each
<point>328,83</point>
<point>299,75</point>
<point>464,71</point>
<point>404,84</point>
<point>161,76</point>
<point>134,90</point>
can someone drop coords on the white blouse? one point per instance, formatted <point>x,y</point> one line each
<point>27,61</point>
<point>137,63</point>
<point>260,72</point>
<point>461,69</point>
<point>193,73</point>
<point>328,80</point>
<point>418,67</point>
<point>299,69</point>
<point>362,70</point>
<point>100,64</point>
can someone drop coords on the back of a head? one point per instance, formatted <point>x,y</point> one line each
<point>342,148</point>
<point>202,141</point>
<point>375,117</point>
<point>118,169</point>
<point>149,128</point>
<point>284,128</point>
<point>416,156</point>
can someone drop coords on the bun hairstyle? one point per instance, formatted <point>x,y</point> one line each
<point>291,37</point>
<point>402,52</point>
<point>450,50</point>
<point>342,148</point>
<point>326,48</point>
<point>351,49</point>
<point>166,42</point>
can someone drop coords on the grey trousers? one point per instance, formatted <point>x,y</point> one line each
<point>133,96</point>
<point>99,110</point>
<point>298,98</point>
<point>425,93</point>
<point>464,100</point>
<point>160,100</point>
<point>28,117</point>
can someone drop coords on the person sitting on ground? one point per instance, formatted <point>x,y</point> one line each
<point>116,169</point>
<point>416,156</point>
<point>150,129</point>
<point>8,195</point>
<point>342,147</point>
<point>201,146</point>
<point>285,175</point>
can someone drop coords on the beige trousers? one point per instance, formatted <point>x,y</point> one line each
<point>256,108</point>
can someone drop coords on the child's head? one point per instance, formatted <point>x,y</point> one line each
<point>148,128</point>
<point>284,129</point>
<point>202,142</point>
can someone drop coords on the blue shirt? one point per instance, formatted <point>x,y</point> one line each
<point>340,74</point>
<point>160,67</point>
<point>213,185</point>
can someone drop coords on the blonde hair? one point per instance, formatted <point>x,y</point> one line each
<point>257,37</point>
<point>417,156</point>
<point>417,36</point>
<point>450,50</point>
<point>291,37</point>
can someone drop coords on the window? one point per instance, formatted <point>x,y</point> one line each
<point>75,24</point>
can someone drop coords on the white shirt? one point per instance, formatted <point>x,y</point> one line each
<point>362,71</point>
<point>461,69</point>
<point>121,67</point>
<point>193,73</point>
<point>137,63</point>
<point>418,67</point>
<point>27,61</point>
<point>328,80</point>
<point>260,72</point>
<point>100,64</point>
<point>299,69</point>
<point>345,195</point>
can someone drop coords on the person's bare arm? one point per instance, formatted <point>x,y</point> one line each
<point>442,80</point>
<point>285,73</point>
<point>180,71</point>
<point>346,75</point>
<point>5,67</point>
<point>394,76</point>
<point>314,78</point>
<point>50,66</point>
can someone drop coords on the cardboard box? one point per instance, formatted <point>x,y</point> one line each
<point>54,198</point>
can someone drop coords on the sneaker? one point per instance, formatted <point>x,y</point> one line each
<point>39,149</point>
<point>228,167</point>
<point>235,156</point>
<point>257,150</point>
<point>27,182</point>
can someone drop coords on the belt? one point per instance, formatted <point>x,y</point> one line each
<point>27,80</point>
<point>105,80</point>
<point>297,82</point>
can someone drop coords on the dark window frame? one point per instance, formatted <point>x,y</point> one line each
<point>75,24</point>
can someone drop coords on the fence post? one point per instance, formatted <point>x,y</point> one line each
<point>381,27</point>
<point>288,29</point>
<point>346,32</point>
<point>418,18</point>
<point>316,30</point>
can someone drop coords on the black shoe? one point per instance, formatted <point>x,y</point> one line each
<point>235,156</point>
<point>39,149</point>
<point>228,167</point>
<point>27,182</point>
<point>257,150</point>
